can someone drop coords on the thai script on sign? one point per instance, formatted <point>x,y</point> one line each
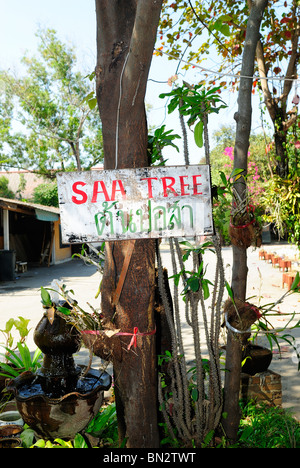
<point>169,201</point>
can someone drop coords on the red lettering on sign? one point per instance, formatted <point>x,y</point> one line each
<point>195,185</point>
<point>168,186</point>
<point>150,195</point>
<point>182,185</point>
<point>83,195</point>
<point>114,189</point>
<point>96,190</point>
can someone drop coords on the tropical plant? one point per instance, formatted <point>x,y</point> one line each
<point>68,307</point>
<point>20,325</point>
<point>19,362</point>
<point>157,142</point>
<point>263,323</point>
<point>105,426</point>
<point>281,202</point>
<point>28,437</point>
<point>195,102</point>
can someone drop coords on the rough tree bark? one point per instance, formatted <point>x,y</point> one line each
<point>126,34</point>
<point>230,423</point>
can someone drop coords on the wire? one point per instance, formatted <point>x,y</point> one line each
<point>231,75</point>
<point>118,112</point>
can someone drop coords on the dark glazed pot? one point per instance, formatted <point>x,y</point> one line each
<point>58,341</point>
<point>59,417</point>
<point>60,399</point>
<point>258,359</point>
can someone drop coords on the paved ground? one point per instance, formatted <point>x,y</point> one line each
<point>22,298</point>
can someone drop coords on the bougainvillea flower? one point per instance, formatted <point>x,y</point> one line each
<point>172,79</point>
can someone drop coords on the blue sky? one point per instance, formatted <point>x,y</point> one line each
<point>75,23</point>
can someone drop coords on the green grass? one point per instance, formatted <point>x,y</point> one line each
<point>263,426</point>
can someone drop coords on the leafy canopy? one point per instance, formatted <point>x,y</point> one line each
<point>46,123</point>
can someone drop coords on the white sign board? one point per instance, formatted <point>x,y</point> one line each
<point>139,203</point>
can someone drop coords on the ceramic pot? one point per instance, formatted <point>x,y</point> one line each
<point>11,430</point>
<point>10,442</point>
<point>257,358</point>
<point>10,417</point>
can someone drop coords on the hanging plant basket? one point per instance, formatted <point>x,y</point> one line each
<point>244,230</point>
<point>239,316</point>
<point>242,235</point>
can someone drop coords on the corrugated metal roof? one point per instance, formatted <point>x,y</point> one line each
<point>17,205</point>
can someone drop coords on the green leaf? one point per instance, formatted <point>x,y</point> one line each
<point>223,178</point>
<point>198,134</point>
<point>27,437</point>
<point>13,358</point>
<point>46,299</point>
<point>205,289</point>
<point>79,441</point>
<point>9,324</point>
<point>25,355</point>
<point>40,443</point>
<point>64,310</point>
<point>229,290</point>
<point>8,371</point>
<point>295,284</point>
<point>195,394</point>
<point>92,103</point>
<point>194,284</point>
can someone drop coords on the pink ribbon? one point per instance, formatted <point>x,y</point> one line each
<point>133,341</point>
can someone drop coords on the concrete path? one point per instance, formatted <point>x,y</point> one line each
<point>22,298</point>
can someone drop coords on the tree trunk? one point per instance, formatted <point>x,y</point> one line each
<point>126,33</point>
<point>230,423</point>
<point>277,107</point>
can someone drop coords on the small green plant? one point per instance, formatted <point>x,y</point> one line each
<point>70,310</point>
<point>263,325</point>
<point>20,362</point>
<point>17,357</point>
<point>193,280</point>
<point>264,426</point>
<point>157,142</point>
<point>28,437</point>
<point>105,426</point>
<point>20,325</point>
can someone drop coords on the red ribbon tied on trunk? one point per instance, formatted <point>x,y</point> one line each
<point>135,333</point>
<point>133,341</point>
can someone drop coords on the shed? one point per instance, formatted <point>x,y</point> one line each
<point>32,231</point>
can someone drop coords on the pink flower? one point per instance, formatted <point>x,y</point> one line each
<point>296,99</point>
<point>172,79</point>
<point>297,144</point>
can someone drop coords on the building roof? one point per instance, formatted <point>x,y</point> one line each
<point>31,180</point>
<point>42,212</point>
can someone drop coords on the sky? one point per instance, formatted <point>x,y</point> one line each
<point>75,24</point>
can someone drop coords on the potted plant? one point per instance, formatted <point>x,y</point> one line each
<point>17,357</point>
<point>247,321</point>
<point>100,337</point>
